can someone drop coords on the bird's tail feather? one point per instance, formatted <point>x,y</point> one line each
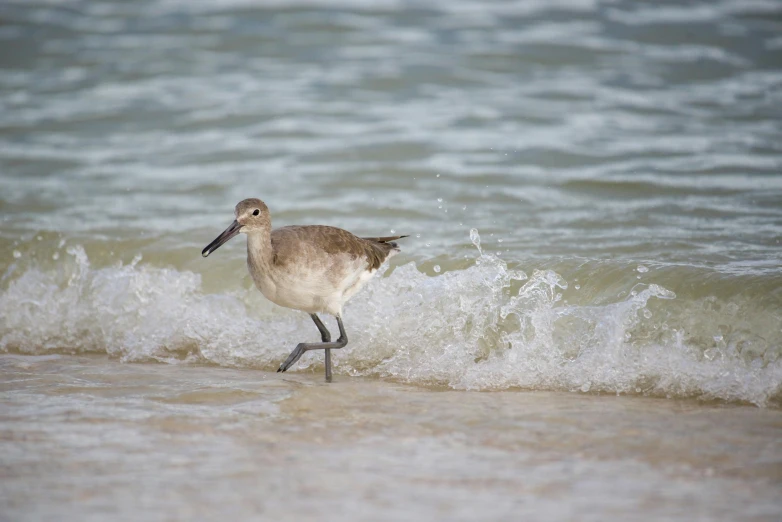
<point>386,239</point>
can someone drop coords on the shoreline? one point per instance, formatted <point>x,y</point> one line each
<point>85,437</point>
<point>314,369</point>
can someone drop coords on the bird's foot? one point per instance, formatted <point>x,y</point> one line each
<point>293,357</point>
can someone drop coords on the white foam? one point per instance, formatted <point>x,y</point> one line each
<point>486,327</point>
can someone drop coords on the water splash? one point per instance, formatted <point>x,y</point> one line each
<point>486,327</point>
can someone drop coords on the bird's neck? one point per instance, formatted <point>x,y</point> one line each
<point>259,248</point>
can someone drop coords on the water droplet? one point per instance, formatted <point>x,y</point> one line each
<point>578,287</point>
<point>61,243</point>
<point>17,254</point>
<point>475,238</point>
<point>464,207</point>
<point>642,269</point>
<point>638,390</point>
<point>39,238</point>
<point>438,175</point>
<point>633,293</point>
<point>717,338</point>
<point>440,206</point>
<point>647,313</point>
<point>418,235</point>
<point>585,387</point>
<point>393,231</point>
<point>428,244</point>
<point>439,200</point>
<point>436,268</point>
<point>499,241</point>
<point>627,336</point>
<point>56,256</point>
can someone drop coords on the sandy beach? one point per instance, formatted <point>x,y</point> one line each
<point>89,438</point>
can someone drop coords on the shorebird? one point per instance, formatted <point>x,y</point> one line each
<point>313,268</point>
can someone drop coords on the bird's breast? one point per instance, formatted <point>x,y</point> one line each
<point>293,289</point>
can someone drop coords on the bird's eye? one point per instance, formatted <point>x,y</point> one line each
<point>256,212</point>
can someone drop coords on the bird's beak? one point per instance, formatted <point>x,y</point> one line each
<point>233,229</point>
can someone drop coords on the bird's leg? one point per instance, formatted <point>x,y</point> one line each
<point>325,345</point>
<point>327,363</point>
<point>325,336</point>
<point>343,339</point>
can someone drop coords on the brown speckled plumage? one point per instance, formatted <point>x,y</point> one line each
<point>289,244</point>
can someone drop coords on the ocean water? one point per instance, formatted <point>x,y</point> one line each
<point>593,193</point>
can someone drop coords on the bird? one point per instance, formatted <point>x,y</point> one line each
<point>312,268</point>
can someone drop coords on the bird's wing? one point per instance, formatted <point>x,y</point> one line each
<point>318,242</point>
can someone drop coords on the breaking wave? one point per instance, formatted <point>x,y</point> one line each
<point>484,327</point>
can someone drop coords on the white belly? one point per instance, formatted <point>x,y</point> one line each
<point>323,290</point>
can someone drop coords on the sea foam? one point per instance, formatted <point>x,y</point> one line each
<point>485,327</point>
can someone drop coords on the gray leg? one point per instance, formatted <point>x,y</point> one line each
<point>325,336</point>
<point>328,346</point>
<point>343,339</point>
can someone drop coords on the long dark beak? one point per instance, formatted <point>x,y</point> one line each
<point>227,234</point>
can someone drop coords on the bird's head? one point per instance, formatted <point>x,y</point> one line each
<point>252,214</point>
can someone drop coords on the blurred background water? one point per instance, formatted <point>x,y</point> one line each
<point>619,162</point>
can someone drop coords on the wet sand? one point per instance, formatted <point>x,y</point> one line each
<point>89,438</point>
